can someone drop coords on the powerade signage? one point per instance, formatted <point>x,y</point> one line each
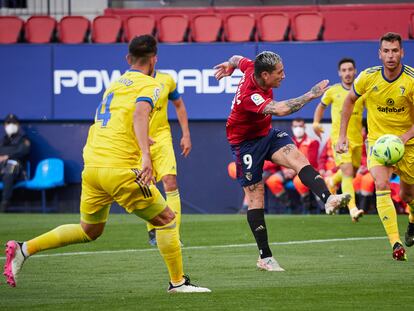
<point>93,82</point>
<point>82,73</point>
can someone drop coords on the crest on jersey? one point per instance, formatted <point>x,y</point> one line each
<point>390,102</point>
<point>257,99</point>
<point>402,89</point>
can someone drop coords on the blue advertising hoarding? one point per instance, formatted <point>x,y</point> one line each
<point>66,82</point>
<point>26,81</point>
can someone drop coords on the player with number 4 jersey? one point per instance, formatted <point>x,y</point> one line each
<point>118,168</point>
<point>253,140</point>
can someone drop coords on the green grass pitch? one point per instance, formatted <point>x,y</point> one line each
<point>331,264</point>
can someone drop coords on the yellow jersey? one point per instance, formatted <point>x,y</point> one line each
<point>159,126</point>
<point>111,140</point>
<point>335,96</point>
<point>389,103</point>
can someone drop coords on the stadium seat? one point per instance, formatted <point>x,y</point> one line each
<point>49,174</point>
<point>40,29</point>
<point>239,28</point>
<point>10,29</point>
<point>307,27</point>
<point>173,28</point>
<point>138,25</point>
<point>106,29</point>
<point>73,29</point>
<point>206,28</point>
<point>273,27</point>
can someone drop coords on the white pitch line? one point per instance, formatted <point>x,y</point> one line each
<point>209,247</point>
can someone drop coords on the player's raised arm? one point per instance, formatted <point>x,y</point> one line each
<point>226,69</point>
<point>347,108</point>
<point>287,107</point>
<point>141,121</point>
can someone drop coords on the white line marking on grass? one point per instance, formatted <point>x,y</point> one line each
<point>210,246</point>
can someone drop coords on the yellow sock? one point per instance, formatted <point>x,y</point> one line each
<point>348,187</point>
<point>337,177</point>
<point>388,215</point>
<point>58,237</point>
<point>174,202</point>
<point>168,243</point>
<point>411,213</point>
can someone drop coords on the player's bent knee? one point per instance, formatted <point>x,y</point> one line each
<point>381,185</point>
<point>166,217</point>
<point>169,182</point>
<point>93,231</point>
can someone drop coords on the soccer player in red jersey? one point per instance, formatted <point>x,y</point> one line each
<point>253,140</point>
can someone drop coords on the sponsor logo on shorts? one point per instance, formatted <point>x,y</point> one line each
<point>257,99</point>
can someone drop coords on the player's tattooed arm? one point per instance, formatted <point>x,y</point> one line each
<point>234,60</point>
<point>286,107</point>
<point>226,69</point>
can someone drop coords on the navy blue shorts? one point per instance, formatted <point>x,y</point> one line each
<point>251,154</point>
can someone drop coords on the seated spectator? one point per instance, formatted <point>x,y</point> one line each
<point>14,149</point>
<point>309,148</point>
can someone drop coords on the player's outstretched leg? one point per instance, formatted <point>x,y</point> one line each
<point>17,253</point>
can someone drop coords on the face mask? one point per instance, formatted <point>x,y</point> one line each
<point>11,129</point>
<point>298,131</point>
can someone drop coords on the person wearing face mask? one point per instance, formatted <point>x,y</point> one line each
<point>14,149</point>
<point>309,147</point>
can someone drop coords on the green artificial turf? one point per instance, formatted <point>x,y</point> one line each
<point>219,253</point>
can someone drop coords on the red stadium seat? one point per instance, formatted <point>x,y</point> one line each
<point>106,29</point>
<point>10,29</point>
<point>273,27</point>
<point>73,29</point>
<point>206,28</point>
<point>239,27</point>
<point>40,29</point>
<point>138,25</point>
<point>172,28</point>
<point>307,27</point>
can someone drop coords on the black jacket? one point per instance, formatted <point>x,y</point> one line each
<point>17,147</point>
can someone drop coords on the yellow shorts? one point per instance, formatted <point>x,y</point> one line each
<point>163,158</point>
<point>353,155</point>
<point>404,168</point>
<point>102,186</point>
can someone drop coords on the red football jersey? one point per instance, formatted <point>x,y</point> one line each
<point>246,120</point>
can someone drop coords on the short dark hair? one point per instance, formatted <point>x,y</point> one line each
<point>391,37</point>
<point>346,60</point>
<point>141,48</point>
<point>298,120</point>
<point>266,61</point>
